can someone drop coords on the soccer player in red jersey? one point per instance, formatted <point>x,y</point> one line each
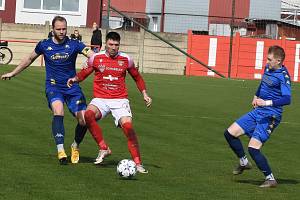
<point>110,95</point>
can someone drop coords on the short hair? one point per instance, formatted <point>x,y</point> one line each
<point>277,51</point>
<point>58,18</point>
<point>113,36</point>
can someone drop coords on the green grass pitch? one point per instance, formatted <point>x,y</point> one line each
<point>181,140</point>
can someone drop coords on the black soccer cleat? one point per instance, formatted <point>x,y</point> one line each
<point>240,169</point>
<point>63,161</point>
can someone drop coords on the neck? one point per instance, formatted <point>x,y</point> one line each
<point>58,41</point>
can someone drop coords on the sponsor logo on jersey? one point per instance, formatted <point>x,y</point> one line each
<point>101,68</point>
<point>121,63</point>
<point>60,56</point>
<point>114,69</point>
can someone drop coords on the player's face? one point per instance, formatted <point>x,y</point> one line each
<point>60,30</point>
<point>112,47</point>
<point>274,63</point>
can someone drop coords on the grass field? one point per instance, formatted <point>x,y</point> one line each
<point>181,139</point>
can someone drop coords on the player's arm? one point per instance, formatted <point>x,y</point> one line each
<point>256,96</point>
<point>140,83</point>
<point>80,76</point>
<point>285,98</point>
<point>25,62</point>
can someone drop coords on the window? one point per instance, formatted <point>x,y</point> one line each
<point>68,5</point>
<point>155,24</point>
<point>2,4</point>
<point>52,5</point>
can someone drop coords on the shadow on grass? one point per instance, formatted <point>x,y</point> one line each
<point>280,181</point>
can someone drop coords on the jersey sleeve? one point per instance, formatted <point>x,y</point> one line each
<point>39,48</point>
<point>81,48</point>
<point>285,85</point>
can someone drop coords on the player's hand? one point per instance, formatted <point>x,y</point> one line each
<point>7,76</point>
<point>254,104</point>
<point>260,102</point>
<point>71,81</point>
<point>147,99</point>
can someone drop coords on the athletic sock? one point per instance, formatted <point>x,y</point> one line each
<point>132,142</point>
<point>95,129</point>
<point>60,147</point>
<point>244,161</point>
<point>79,133</point>
<point>58,131</point>
<point>235,144</point>
<point>270,177</point>
<point>260,161</point>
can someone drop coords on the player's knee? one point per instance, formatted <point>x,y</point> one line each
<point>89,116</point>
<point>81,121</point>
<point>253,152</point>
<point>228,135</point>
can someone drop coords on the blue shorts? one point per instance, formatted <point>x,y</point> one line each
<point>258,124</point>
<point>75,99</point>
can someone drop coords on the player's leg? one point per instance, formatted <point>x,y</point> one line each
<point>77,105</point>
<point>58,129</point>
<point>92,114</point>
<point>261,134</point>
<point>245,124</point>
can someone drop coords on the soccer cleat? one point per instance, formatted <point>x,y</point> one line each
<point>269,184</point>
<point>141,169</point>
<point>62,158</point>
<point>74,155</point>
<point>101,155</point>
<point>239,169</point>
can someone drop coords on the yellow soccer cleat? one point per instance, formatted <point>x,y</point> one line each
<point>62,157</point>
<point>74,155</point>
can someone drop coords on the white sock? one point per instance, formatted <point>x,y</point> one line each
<point>75,145</point>
<point>60,147</point>
<point>243,161</point>
<point>270,177</point>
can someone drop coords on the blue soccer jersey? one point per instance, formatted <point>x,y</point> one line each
<point>60,60</point>
<point>275,85</point>
<point>261,121</point>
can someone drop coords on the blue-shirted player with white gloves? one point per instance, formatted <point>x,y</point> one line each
<point>272,94</point>
<point>60,55</point>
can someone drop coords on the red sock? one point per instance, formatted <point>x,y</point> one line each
<point>133,145</point>
<point>94,129</point>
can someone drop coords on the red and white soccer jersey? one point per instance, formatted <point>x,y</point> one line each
<point>110,73</point>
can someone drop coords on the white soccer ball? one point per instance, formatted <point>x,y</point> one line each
<point>126,168</point>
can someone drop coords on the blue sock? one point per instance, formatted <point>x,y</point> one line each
<point>235,144</point>
<point>58,129</point>
<point>79,133</point>
<point>260,161</point>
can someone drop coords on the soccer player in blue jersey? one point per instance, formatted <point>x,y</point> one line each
<point>60,55</point>
<point>272,94</point>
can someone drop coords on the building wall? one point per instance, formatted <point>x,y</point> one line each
<point>266,9</point>
<point>39,17</point>
<point>93,12</point>
<point>8,14</point>
<point>241,11</point>
<point>182,23</point>
<point>153,10</point>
